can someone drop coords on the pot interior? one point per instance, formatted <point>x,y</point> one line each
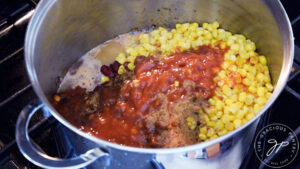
<point>62,31</point>
<point>70,29</point>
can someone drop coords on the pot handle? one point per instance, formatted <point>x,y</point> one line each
<point>41,159</point>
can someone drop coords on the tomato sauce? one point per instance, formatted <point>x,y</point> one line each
<point>119,118</point>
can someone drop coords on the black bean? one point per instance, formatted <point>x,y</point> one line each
<point>107,71</point>
<point>115,67</point>
<point>63,100</point>
<point>126,66</point>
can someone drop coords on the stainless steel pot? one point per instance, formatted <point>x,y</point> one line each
<point>63,30</point>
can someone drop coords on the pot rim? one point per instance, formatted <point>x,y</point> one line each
<point>30,40</point>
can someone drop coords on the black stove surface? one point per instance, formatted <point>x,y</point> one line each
<point>16,92</point>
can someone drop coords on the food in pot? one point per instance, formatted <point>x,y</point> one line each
<point>166,87</point>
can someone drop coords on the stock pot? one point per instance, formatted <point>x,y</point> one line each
<point>61,31</point>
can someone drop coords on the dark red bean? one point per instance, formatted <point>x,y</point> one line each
<point>107,71</point>
<point>63,100</point>
<point>126,66</point>
<point>115,67</point>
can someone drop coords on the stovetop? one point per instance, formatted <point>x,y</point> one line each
<point>16,92</point>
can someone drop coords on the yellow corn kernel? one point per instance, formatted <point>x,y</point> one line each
<point>242,72</point>
<point>178,26</point>
<point>121,70</point>
<point>214,34</point>
<point>210,132</point>
<point>234,108</point>
<point>249,99</point>
<point>256,108</point>
<point>251,109</point>
<point>130,59</point>
<point>121,58</point>
<point>268,94</point>
<point>267,79</point>
<point>220,83</point>
<point>213,136</point>
<point>222,73</point>
<point>133,53</point>
<point>136,82</point>
<point>219,104</point>
<point>222,45</point>
<point>219,125</point>
<point>247,82</point>
<point>253,60</point>
<point>237,123</point>
<point>228,102</point>
<point>226,110</point>
<point>227,118</point>
<point>57,98</point>
<point>191,122</point>
<point>129,49</point>
<point>199,31</point>
<point>250,46</point>
<point>245,109</point>
<point>104,79</point>
<point>211,111</point>
<point>228,34</point>
<point>250,116</point>
<point>252,72</point>
<point>235,47</point>
<point>210,124</point>
<point>247,67</point>
<point>244,121</point>
<point>197,43</point>
<point>222,132</point>
<point>250,76</point>
<point>212,101</point>
<point>227,91</point>
<point>131,66</point>
<point>261,91</point>
<point>226,65</point>
<point>229,126</point>
<point>213,118</point>
<point>260,77</point>
<point>252,89</point>
<point>200,111</point>
<point>207,36</point>
<point>205,25</point>
<point>202,136</point>
<point>269,87</point>
<point>176,83</point>
<point>148,47</point>
<point>242,96</point>
<point>203,130</point>
<point>205,117</point>
<point>233,68</point>
<point>163,30</point>
<point>219,114</point>
<point>144,38</point>
<point>240,114</point>
<point>195,25</point>
<point>261,101</point>
<point>262,60</point>
<point>215,25</point>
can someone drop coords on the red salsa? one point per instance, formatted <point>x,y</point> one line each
<point>116,111</point>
